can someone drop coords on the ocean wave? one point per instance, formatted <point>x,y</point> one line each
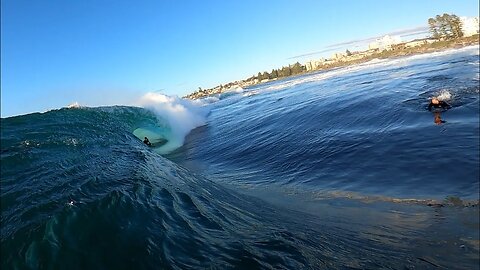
<point>341,169</point>
<point>111,203</point>
<point>181,115</point>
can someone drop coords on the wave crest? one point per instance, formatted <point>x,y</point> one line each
<point>181,115</point>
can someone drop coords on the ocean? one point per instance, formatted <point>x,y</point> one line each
<point>337,169</point>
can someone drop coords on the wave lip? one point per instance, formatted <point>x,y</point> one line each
<point>73,105</point>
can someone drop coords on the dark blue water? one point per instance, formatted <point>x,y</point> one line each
<point>342,169</point>
<point>363,129</point>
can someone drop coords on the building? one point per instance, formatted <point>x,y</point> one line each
<point>385,43</point>
<point>418,42</point>
<point>309,65</point>
<point>374,46</point>
<point>470,26</point>
<point>338,56</point>
<point>314,64</point>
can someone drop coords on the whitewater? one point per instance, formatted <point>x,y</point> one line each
<point>337,169</point>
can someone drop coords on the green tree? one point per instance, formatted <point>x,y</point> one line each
<point>456,25</point>
<point>348,53</point>
<point>274,74</point>
<point>266,75</point>
<point>286,71</point>
<point>433,28</point>
<point>442,26</point>
<point>280,73</point>
<point>297,68</point>
<point>445,26</point>
<point>449,25</point>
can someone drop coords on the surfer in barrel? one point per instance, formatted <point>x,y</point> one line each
<point>147,142</point>
<point>436,103</point>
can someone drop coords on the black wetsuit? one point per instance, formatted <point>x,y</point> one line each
<point>147,142</point>
<point>441,104</point>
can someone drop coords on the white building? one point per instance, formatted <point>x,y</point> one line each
<point>470,26</point>
<point>308,65</point>
<point>384,43</point>
<point>338,56</point>
<point>314,64</point>
<point>373,45</point>
<point>419,42</point>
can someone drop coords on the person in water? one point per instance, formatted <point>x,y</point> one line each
<point>437,119</point>
<point>436,103</point>
<point>147,142</point>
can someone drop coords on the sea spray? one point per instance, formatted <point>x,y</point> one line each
<point>182,116</point>
<point>444,95</point>
<point>73,105</point>
<point>205,101</point>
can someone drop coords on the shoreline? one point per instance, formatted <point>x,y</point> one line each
<point>397,51</point>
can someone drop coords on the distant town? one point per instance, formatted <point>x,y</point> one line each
<point>447,31</point>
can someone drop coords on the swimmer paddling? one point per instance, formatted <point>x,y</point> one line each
<point>436,103</point>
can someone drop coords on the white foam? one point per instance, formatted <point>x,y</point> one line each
<point>205,101</point>
<point>236,89</point>
<point>182,116</point>
<point>73,105</point>
<point>444,95</point>
<point>250,93</point>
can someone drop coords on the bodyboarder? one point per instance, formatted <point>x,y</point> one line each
<point>147,142</point>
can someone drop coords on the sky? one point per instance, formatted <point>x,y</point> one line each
<point>112,52</point>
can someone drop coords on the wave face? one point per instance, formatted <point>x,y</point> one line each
<point>79,190</point>
<point>280,176</point>
<point>360,129</point>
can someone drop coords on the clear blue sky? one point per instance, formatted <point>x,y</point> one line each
<point>57,52</point>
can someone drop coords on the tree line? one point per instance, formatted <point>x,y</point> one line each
<point>446,26</point>
<point>294,69</point>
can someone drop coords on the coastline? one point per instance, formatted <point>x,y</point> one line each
<point>397,51</point>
